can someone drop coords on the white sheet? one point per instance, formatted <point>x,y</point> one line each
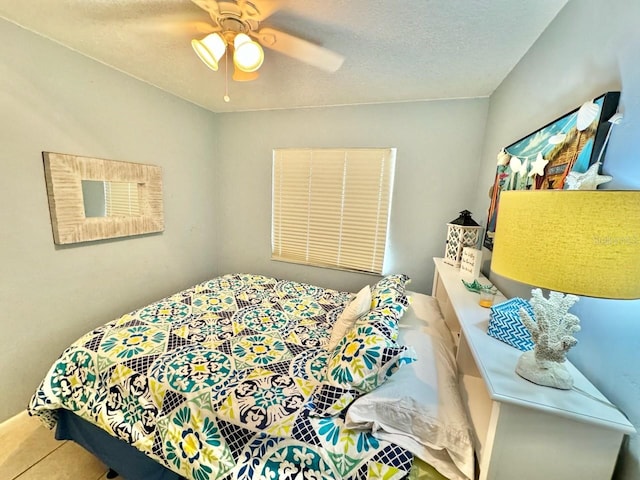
<point>419,408</point>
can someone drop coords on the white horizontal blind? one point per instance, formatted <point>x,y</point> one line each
<point>121,199</point>
<point>331,206</point>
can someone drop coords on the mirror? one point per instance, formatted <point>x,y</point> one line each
<point>94,199</point>
<point>110,199</point>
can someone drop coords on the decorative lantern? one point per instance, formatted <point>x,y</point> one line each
<point>462,232</point>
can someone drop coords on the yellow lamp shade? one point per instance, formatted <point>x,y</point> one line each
<point>248,55</point>
<point>210,49</point>
<point>572,241</point>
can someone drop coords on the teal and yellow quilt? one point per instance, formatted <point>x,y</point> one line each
<point>216,381</point>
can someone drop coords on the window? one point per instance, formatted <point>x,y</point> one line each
<point>331,206</point>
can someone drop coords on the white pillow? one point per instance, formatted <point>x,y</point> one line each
<point>347,319</point>
<point>424,311</point>
<point>419,407</point>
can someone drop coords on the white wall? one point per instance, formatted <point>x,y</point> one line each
<point>590,48</point>
<point>52,99</point>
<point>436,177</point>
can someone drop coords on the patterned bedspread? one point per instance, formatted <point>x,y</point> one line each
<point>214,382</point>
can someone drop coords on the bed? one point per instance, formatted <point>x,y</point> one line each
<point>250,377</point>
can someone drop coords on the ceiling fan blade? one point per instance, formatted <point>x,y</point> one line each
<point>189,28</point>
<point>210,6</point>
<point>259,9</point>
<point>300,49</point>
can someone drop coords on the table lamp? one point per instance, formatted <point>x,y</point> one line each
<point>578,242</point>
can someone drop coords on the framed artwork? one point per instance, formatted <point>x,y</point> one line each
<point>544,158</point>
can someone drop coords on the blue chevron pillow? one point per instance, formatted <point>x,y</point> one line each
<point>505,324</point>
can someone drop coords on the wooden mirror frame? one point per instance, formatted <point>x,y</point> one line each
<point>64,174</point>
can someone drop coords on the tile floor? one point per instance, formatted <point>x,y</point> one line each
<point>28,451</point>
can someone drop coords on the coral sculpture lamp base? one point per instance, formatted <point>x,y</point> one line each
<point>548,373</point>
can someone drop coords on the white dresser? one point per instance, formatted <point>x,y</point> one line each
<point>524,431</point>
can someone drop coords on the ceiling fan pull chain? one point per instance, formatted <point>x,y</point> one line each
<point>226,97</point>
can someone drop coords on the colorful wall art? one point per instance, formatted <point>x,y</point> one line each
<point>544,158</point>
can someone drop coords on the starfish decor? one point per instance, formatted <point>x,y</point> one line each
<point>537,167</point>
<point>588,180</point>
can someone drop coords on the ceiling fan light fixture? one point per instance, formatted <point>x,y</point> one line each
<point>240,76</point>
<point>248,55</point>
<point>210,49</point>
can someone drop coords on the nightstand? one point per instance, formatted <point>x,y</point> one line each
<point>524,431</point>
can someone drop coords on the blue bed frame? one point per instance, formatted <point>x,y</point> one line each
<point>114,453</point>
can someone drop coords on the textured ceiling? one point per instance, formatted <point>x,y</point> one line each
<point>394,50</point>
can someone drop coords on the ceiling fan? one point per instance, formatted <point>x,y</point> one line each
<point>236,31</point>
